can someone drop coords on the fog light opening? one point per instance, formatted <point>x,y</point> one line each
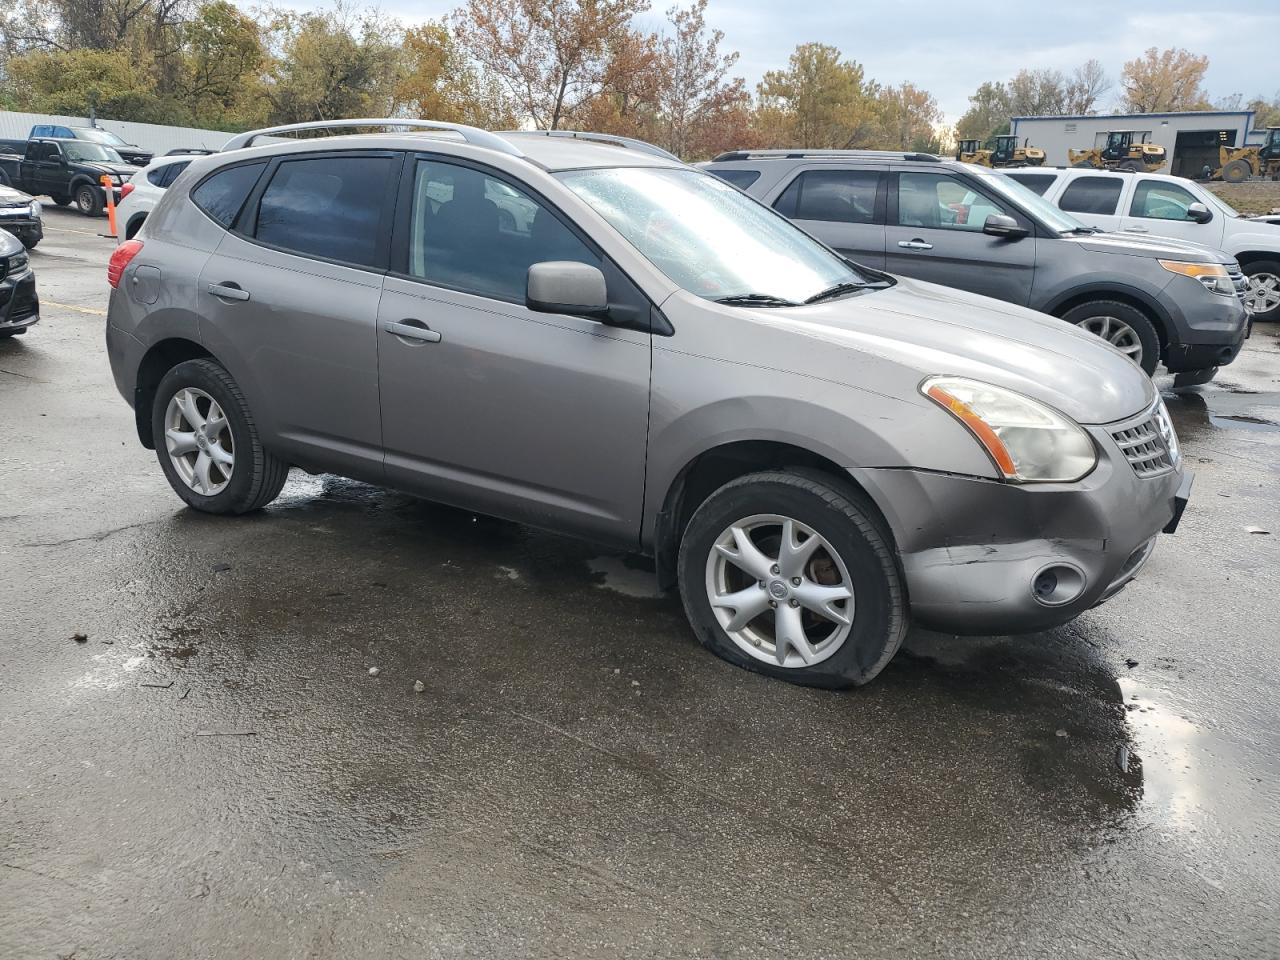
<point>1057,584</point>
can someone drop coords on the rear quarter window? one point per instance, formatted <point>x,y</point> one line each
<point>223,194</point>
<point>739,178</point>
<point>1035,182</point>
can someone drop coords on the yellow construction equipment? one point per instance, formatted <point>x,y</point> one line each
<point>1006,153</point>
<point>1121,152</point>
<point>1237,164</point>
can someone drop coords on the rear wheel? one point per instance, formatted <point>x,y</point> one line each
<point>790,575</point>
<point>1262,293</point>
<point>1237,171</point>
<point>89,200</point>
<point>207,442</point>
<point>1125,327</point>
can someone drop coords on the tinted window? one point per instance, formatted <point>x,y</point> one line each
<point>939,200</point>
<point>739,178</point>
<point>1038,183</point>
<point>475,233</point>
<point>173,170</point>
<point>836,196</point>
<point>156,176</point>
<point>1161,201</point>
<point>50,151</point>
<point>1092,195</point>
<point>223,194</point>
<point>326,207</point>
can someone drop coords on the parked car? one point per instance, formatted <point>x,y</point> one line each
<point>20,214</point>
<point>814,452</point>
<point>131,153</point>
<point>19,305</point>
<point>1170,207</point>
<point>975,229</point>
<point>138,197</point>
<point>66,170</point>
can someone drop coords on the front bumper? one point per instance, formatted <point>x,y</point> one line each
<point>24,228</point>
<point>19,304</point>
<point>1213,331</point>
<point>974,551</point>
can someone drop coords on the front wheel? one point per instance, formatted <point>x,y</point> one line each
<point>208,444</point>
<point>89,200</point>
<point>1262,289</point>
<point>790,575</point>
<point>1123,326</point>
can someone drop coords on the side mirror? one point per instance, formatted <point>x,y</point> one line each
<point>999,225</point>
<point>565,286</point>
<point>1199,213</point>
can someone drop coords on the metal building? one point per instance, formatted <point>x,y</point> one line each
<point>1191,140</point>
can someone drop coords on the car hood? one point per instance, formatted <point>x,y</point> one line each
<point>931,330</point>
<point>1133,245</point>
<point>11,197</point>
<point>119,169</point>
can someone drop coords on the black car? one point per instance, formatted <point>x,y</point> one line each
<point>67,170</point>
<point>20,214</point>
<point>130,153</point>
<point>19,305</point>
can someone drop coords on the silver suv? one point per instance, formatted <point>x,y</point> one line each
<point>974,228</point>
<point>814,452</point>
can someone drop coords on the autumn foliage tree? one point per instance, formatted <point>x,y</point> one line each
<point>437,80</point>
<point>1161,81</point>
<point>820,100</point>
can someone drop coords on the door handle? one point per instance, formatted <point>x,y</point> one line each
<point>915,245</point>
<point>1136,230</point>
<point>412,330</point>
<point>228,291</point>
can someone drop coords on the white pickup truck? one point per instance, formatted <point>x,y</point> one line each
<point>1161,205</point>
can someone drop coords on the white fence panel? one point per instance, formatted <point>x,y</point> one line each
<point>152,137</point>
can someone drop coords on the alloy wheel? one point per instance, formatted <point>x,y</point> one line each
<point>1262,293</point>
<point>780,591</point>
<point>1117,333</point>
<point>199,441</point>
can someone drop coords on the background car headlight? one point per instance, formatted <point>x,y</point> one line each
<point>35,209</point>
<point>1026,440</point>
<point>1214,276</point>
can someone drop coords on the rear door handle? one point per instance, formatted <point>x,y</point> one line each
<point>412,330</point>
<point>915,245</point>
<point>228,291</point>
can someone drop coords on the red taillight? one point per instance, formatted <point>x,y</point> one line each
<point>126,190</point>
<point>121,259</point>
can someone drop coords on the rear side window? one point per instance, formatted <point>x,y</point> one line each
<point>156,177</point>
<point>835,196</point>
<point>1097,195</point>
<point>172,171</point>
<point>222,195</point>
<point>739,178</point>
<point>328,207</point>
<point>1035,182</point>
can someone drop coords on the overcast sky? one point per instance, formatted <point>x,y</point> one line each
<point>950,47</point>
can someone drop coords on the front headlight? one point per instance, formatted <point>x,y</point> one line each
<point>1026,440</point>
<point>35,209</point>
<point>1214,276</point>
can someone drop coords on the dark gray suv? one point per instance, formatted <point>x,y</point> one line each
<point>975,229</point>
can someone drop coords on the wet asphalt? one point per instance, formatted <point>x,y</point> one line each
<point>214,773</point>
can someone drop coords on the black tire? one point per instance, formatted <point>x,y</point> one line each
<point>257,476</point>
<point>31,242</point>
<point>61,201</point>
<point>1237,171</point>
<point>1130,166</point>
<point>1271,267</point>
<point>855,532</point>
<point>89,200</point>
<point>1131,315</point>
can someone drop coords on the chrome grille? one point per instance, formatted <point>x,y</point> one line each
<point>1150,445</point>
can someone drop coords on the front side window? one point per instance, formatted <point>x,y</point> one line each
<point>1097,195</point>
<point>476,233</point>
<point>709,237</point>
<point>1161,201</point>
<point>834,196</point>
<point>329,207</point>
<point>222,195</point>
<point>942,201</point>
<point>50,152</point>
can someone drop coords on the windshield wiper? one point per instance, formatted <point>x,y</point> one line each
<point>756,300</point>
<point>836,290</point>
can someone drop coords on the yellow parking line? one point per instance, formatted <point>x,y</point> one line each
<point>67,306</point>
<point>83,233</point>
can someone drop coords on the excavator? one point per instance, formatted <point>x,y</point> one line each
<point>1238,164</point>
<point>1121,152</point>
<point>1007,153</point>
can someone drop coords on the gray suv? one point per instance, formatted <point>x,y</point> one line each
<point>646,357</point>
<point>976,229</point>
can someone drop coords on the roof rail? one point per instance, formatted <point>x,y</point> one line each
<point>472,135</point>
<point>629,142</point>
<point>806,154</point>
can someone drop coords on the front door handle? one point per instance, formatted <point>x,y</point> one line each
<point>1137,230</point>
<point>916,244</point>
<point>412,330</point>
<point>228,291</point>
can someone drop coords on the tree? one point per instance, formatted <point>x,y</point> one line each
<point>627,102</point>
<point>219,67</point>
<point>438,83</point>
<point>988,114</point>
<point>72,81</point>
<point>908,116</point>
<point>1164,81</point>
<point>551,56</point>
<point>1037,93</point>
<point>1086,87</point>
<point>1266,112</point>
<point>819,101</point>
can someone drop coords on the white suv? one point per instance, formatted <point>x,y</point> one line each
<point>144,190</point>
<point>1158,204</point>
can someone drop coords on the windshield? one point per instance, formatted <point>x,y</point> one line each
<point>1031,201</point>
<point>102,136</point>
<point>709,237</point>
<point>92,152</point>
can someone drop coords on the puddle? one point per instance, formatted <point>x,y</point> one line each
<point>628,578</point>
<point>1242,421</point>
<point>1168,743</point>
